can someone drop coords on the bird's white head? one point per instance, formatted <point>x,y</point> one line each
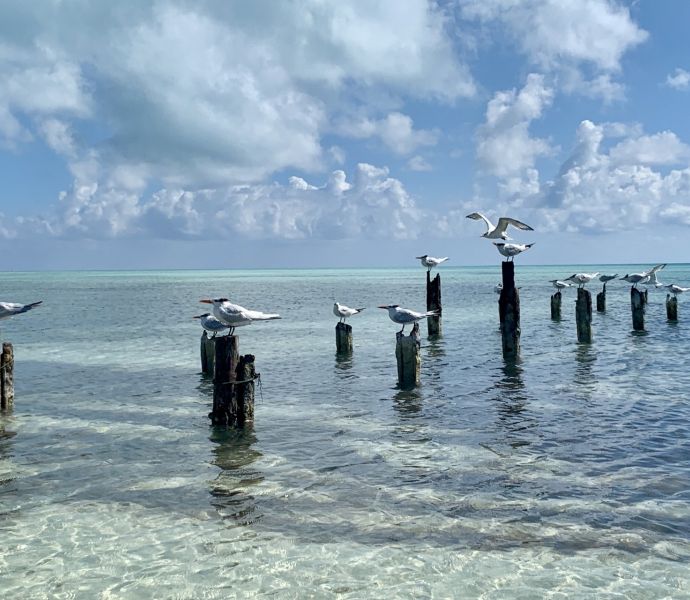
<point>214,301</point>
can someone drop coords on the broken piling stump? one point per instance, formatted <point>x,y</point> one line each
<point>343,338</point>
<point>601,300</point>
<point>6,376</point>
<point>244,390</point>
<point>407,355</point>
<point>671,307</point>
<point>509,311</point>
<point>556,306</point>
<point>433,302</point>
<point>583,316</point>
<point>208,353</point>
<point>637,304</point>
<point>227,357</point>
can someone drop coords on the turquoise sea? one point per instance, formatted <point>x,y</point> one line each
<point>565,475</point>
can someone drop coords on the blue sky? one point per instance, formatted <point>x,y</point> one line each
<point>307,133</point>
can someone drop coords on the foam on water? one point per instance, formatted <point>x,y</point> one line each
<point>563,476</point>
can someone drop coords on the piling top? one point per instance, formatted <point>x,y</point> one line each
<point>508,273</point>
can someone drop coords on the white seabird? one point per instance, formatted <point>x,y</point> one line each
<point>498,288</point>
<point>9,309</point>
<point>560,285</point>
<point>653,280</point>
<point>211,324</point>
<point>405,316</point>
<point>582,279</point>
<point>676,289</point>
<point>499,230</point>
<point>643,277</point>
<point>234,315</point>
<point>511,250</point>
<point>343,312</point>
<point>431,261</point>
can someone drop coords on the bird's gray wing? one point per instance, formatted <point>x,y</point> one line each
<point>480,217</point>
<point>503,223</point>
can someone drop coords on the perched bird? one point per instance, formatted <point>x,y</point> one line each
<point>499,230</point>
<point>9,309</point>
<point>606,278</point>
<point>676,289</point>
<point>582,279</point>
<point>498,288</point>
<point>430,261</point>
<point>511,250</point>
<point>405,316</point>
<point>560,285</point>
<point>343,312</point>
<point>234,315</point>
<point>643,277</point>
<point>211,324</point>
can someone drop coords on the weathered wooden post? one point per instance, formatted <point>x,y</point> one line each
<point>407,355</point>
<point>343,338</point>
<point>433,302</point>
<point>244,390</point>
<point>637,304</point>
<point>509,311</point>
<point>601,300</point>
<point>583,315</point>
<point>208,353</point>
<point>556,306</point>
<point>6,376</point>
<point>227,358</point>
<point>671,307</point>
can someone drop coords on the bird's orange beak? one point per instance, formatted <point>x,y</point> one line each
<point>206,301</point>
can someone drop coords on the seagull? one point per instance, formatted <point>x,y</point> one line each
<point>676,289</point>
<point>234,315</point>
<point>9,309</point>
<point>430,261</point>
<point>652,280</point>
<point>560,285</point>
<point>499,231</point>
<point>210,323</point>
<point>343,312</point>
<point>511,250</point>
<point>405,316</point>
<point>582,279</point>
<point>643,277</point>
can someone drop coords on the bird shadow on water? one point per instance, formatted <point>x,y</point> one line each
<point>233,453</point>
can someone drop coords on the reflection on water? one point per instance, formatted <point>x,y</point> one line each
<point>344,362</point>
<point>407,403</point>
<point>234,455</point>
<point>6,476</point>
<point>585,358</point>
<point>512,403</point>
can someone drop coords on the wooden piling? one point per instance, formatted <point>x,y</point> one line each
<point>601,300</point>
<point>637,304</point>
<point>244,390</point>
<point>509,311</point>
<point>583,316</point>
<point>6,376</point>
<point>671,307</point>
<point>208,353</point>
<point>227,357</point>
<point>343,338</point>
<point>407,355</point>
<point>433,302</point>
<point>556,306</point>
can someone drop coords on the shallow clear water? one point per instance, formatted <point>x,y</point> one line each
<point>566,475</point>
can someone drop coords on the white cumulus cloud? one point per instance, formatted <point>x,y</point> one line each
<point>680,79</point>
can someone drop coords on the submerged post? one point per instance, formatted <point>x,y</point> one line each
<point>637,304</point>
<point>227,357</point>
<point>583,316</point>
<point>408,357</point>
<point>6,376</point>
<point>671,307</point>
<point>556,306</point>
<point>433,302</point>
<point>208,354</point>
<point>509,311</point>
<point>343,338</point>
<point>244,390</point>
<point>601,300</point>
